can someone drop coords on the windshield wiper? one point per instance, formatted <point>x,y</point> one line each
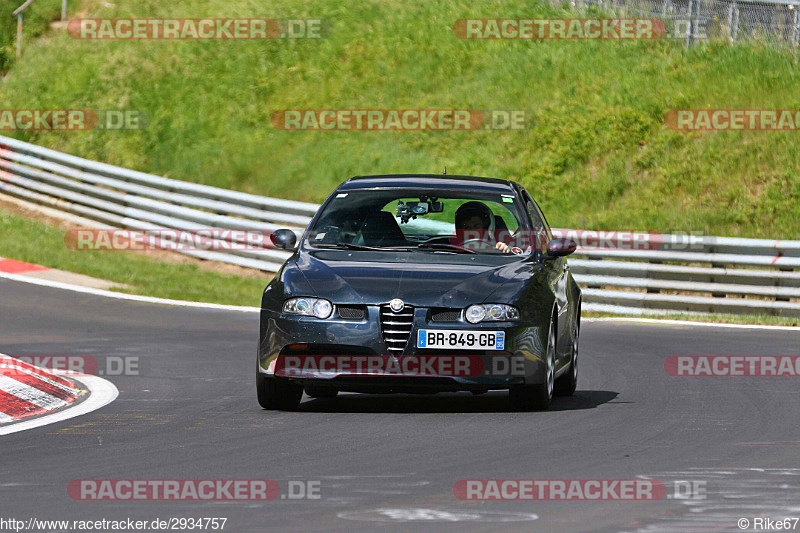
<point>422,246</point>
<point>351,246</point>
<point>445,247</point>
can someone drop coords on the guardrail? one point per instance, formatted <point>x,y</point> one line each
<point>691,274</point>
<point>683,274</point>
<point>102,195</point>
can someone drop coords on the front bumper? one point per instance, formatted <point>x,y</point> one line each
<point>287,336</point>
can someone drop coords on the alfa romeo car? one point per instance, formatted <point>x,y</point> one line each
<point>421,284</point>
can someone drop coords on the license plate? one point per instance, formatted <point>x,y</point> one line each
<point>461,339</point>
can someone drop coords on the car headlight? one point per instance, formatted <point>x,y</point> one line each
<point>491,313</point>
<point>317,307</point>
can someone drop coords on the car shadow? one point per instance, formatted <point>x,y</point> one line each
<point>491,402</point>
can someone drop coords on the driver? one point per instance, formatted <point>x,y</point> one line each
<point>475,218</point>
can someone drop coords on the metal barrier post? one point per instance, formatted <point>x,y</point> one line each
<point>19,35</point>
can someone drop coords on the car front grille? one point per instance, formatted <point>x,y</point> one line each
<point>445,315</point>
<point>396,328</point>
<point>351,312</point>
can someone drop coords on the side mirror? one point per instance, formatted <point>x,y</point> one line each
<point>285,239</point>
<point>561,247</point>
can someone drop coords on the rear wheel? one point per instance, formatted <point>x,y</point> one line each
<point>566,384</point>
<point>537,397</point>
<point>274,393</point>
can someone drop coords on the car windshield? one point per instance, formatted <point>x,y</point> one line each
<point>422,220</point>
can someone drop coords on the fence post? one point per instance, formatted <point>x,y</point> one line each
<point>730,21</point>
<point>63,10</point>
<point>19,35</point>
<point>796,26</point>
<point>690,20</point>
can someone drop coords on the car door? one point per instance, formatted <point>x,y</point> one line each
<point>557,278</point>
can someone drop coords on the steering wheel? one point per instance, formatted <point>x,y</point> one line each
<point>476,241</point>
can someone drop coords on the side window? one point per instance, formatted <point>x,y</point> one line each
<point>541,231</point>
<point>544,220</point>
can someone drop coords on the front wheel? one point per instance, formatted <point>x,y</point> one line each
<point>274,393</point>
<point>537,397</point>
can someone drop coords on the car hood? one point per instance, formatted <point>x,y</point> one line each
<point>420,280</point>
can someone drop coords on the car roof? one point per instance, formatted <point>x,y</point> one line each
<point>440,181</point>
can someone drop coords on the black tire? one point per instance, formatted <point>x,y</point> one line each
<point>274,393</point>
<point>321,391</point>
<point>566,384</point>
<point>537,397</point>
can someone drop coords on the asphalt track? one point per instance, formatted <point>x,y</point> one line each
<point>389,463</point>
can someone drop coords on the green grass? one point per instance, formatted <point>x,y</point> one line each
<point>36,20</point>
<point>38,243</point>
<point>599,151</point>
<point>768,320</point>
